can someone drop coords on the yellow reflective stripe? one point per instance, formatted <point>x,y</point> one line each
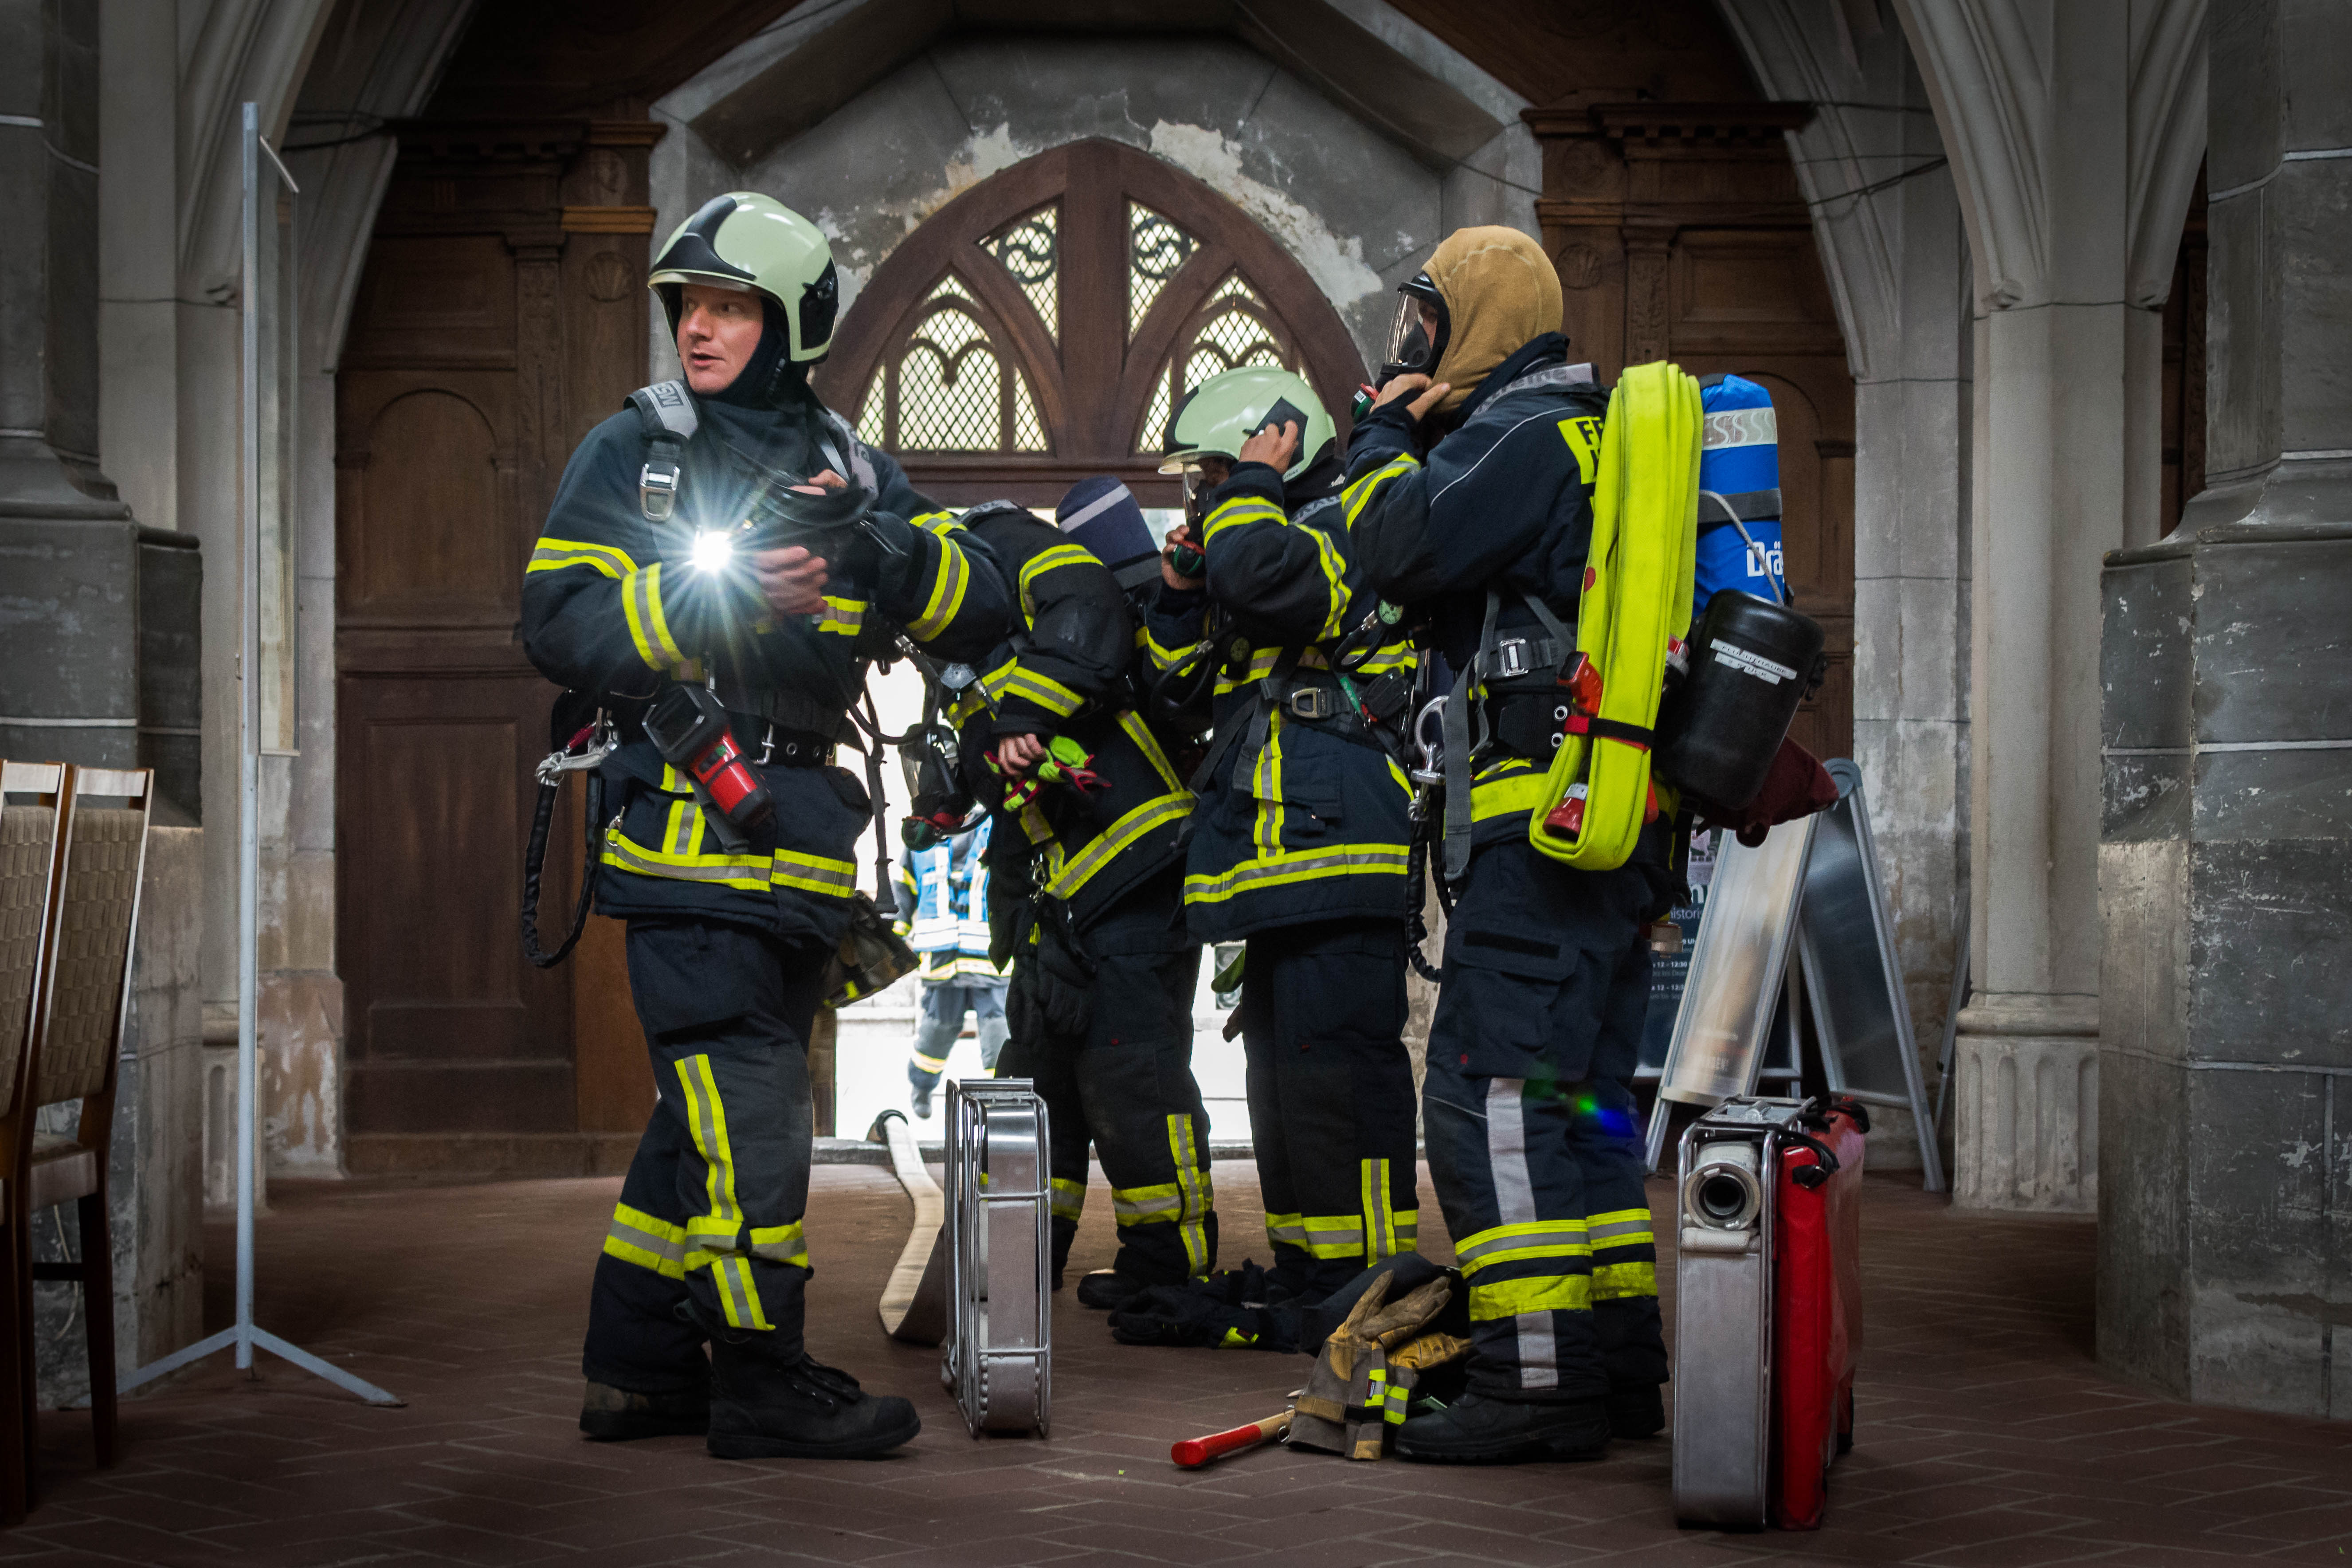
<point>1144,1206</point>
<point>556,555</point>
<point>1384,658</point>
<point>842,617</point>
<point>1509,1297</point>
<point>1239,512</point>
<point>648,628</point>
<point>1053,558</point>
<point>1289,1227</point>
<point>1193,1182</point>
<point>1619,1282</point>
<point>1513,794</point>
<point>1260,665</point>
<point>648,1241</point>
<point>751,873</point>
<point>1331,1235</point>
<point>781,1244</point>
<point>939,522</point>
<point>1383,1237</point>
<point>1044,690</point>
<point>1160,653</point>
<point>1620,1228</point>
<point>1069,1199</point>
<point>994,681</point>
<point>948,584</point>
<point>1481,1244</point>
<point>748,872</point>
<point>1266,783</point>
<point>814,874</point>
<point>969,706</point>
<point>1136,729</point>
<point>706,1122</point>
<point>683,834</point>
<point>1335,587</point>
<point>931,1064</point>
<point>1356,497</point>
<point>1280,871</point>
<point>1078,869</point>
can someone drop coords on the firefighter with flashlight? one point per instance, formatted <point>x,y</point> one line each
<point>725,558</point>
<point>1300,840</point>
<point>1469,499</point>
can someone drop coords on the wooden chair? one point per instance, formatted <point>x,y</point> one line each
<point>32,797</point>
<point>83,1001</point>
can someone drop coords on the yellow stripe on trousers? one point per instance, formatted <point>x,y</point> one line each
<point>730,1271</point>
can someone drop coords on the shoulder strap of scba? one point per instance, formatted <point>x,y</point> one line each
<point>669,418</point>
<point>1637,594</point>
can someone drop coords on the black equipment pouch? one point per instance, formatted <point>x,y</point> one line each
<point>1053,976</point>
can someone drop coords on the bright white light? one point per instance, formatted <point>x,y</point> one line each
<point>712,550</point>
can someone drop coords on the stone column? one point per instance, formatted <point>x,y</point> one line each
<point>2226,865</point>
<point>2070,125</point>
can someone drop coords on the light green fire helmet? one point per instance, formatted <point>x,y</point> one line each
<point>746,240</point>
<point>1231,407</point>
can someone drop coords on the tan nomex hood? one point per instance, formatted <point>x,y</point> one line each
<point>1501,292</point>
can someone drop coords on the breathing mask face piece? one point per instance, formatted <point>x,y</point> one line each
<point>1413,349</point>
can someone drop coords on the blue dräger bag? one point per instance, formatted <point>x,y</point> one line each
<point>1740,461</point>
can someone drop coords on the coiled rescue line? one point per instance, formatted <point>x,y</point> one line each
<point>1636,596</point>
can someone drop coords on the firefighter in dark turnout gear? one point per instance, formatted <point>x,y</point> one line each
<point>1469,500</point>
<point>625,595</point>
<point>1086,857</point>
<point>1300,840</point>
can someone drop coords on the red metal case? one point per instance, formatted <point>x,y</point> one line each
<point>1816,1322</point>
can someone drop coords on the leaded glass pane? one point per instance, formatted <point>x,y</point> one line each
<point>1236,287</point>
<point>1241,338</point>
<point>1155,249</point>
<point>950,383</point>
<point>1031,251</point>
<point>1154,435</point>
<point>872,414</point>
<point>1028,430</point>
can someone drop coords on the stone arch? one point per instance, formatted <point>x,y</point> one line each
<point>1095,371</point>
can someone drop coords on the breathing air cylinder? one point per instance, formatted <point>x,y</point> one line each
<point>1751,663</point>
<point>1739,462</point>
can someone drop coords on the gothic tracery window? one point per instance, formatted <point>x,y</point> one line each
<point>1232,328</point>
<point>1030,252</point>
<point>949,388</point>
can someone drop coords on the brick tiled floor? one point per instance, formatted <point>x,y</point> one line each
<point>1986,1435</point>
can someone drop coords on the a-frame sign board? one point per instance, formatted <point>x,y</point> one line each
<point>1809,891</point>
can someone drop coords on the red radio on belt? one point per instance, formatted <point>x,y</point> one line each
<point>688,727</point>
<point>1768,1309</point>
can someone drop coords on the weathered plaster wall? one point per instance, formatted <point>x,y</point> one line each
<point>1358,209</point>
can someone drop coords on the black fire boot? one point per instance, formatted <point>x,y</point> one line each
<point>764,1409</point>
<point>1636,1411</point>
<point>1479,1429</point>
<point>1108,1291</point>
<point>610,1414</point>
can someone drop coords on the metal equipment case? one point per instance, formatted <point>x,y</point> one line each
<point>1768,1309</point>
<point>998,1354</point>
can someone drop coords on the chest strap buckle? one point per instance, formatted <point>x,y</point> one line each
<point>1313,703</point>
<point>658,490</point>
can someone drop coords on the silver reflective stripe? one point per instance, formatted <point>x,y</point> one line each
<point>1515,1203</point>
<point>1128,1208</point>
<point>628,1234</point>
<point>629,857</point>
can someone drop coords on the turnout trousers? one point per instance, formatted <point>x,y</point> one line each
<point>1331,1097</point>
<point>1531,1137</point>
<point>944,1004</point>
<point>712,1204</point>
<point>1124,1086</point>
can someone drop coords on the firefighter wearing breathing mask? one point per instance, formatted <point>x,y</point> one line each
<point>1300,840</point>
<point>639,590</point>
<point>1469,500</point>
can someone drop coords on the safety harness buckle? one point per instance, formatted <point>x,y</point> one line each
<point>1313,703</point>
<point>657,489</point>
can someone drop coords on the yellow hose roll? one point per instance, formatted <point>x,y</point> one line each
<point>1637,594</point>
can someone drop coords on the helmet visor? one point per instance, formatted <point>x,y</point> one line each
<point>1409,342</point>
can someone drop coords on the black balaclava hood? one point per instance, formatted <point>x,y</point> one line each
<point>770,379</point>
